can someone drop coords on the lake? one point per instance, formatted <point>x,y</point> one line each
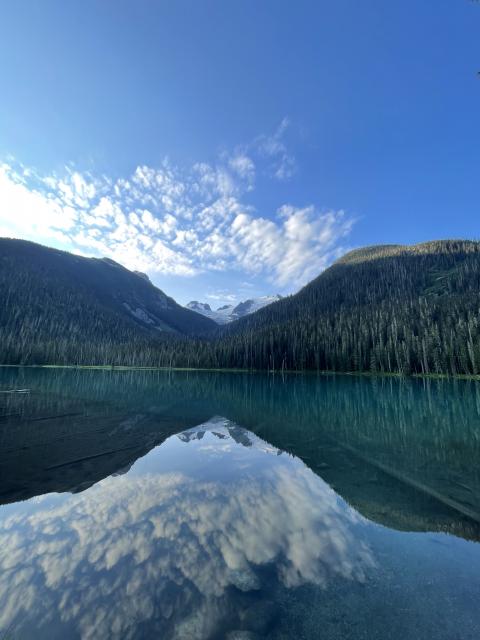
<point>205,506</point>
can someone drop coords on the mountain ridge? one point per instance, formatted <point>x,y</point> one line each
<point>408,309</point>
<point>54,297</point>
<point>231,312</point>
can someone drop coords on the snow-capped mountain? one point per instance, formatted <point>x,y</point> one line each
<point>231,312</point>
<point>226,430</point>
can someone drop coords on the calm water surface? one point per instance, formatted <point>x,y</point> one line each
<point>211,506</point>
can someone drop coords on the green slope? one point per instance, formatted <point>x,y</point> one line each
<point>51,299</point>
<point>389,308</point>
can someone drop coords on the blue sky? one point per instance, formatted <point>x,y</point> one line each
<point>233,149</point>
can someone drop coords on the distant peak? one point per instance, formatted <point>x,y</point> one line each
<point>198,306</point>
<point>230,312</point>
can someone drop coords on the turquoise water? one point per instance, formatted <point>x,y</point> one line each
<point>216,505</point>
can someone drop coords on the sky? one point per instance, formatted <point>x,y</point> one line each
<point>236,149</point>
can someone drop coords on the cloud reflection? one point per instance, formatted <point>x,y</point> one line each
<point>172,547</point>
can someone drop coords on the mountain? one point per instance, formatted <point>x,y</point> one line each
<point>229,313</point>
<point>387,308</point>
<point>54,302</point>
<point>204,309</point>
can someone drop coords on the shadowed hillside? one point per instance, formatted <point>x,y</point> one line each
<point>59,307</point>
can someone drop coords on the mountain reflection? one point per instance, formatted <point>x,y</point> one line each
<point>404,453</point>
<point>177,546</point>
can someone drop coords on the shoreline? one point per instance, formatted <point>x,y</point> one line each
<point>363,374</point>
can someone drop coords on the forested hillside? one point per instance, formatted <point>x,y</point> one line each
<point>393,308</point>
<point>58,307</point>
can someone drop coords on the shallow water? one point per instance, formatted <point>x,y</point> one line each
<point>216,505</point>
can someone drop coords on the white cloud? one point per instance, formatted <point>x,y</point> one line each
<point>149,221</point>
<point>27,211</point>
<point>283,165</point>
<point>292,249</point>
<point>182,222</point>
<point>244,167</point>
<point>223,296</point>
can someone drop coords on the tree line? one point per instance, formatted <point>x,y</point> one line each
<point>389,309</point>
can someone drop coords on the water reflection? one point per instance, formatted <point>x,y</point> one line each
<point>262,524</point>
<point>190,543</point>
<point>402,452</point>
